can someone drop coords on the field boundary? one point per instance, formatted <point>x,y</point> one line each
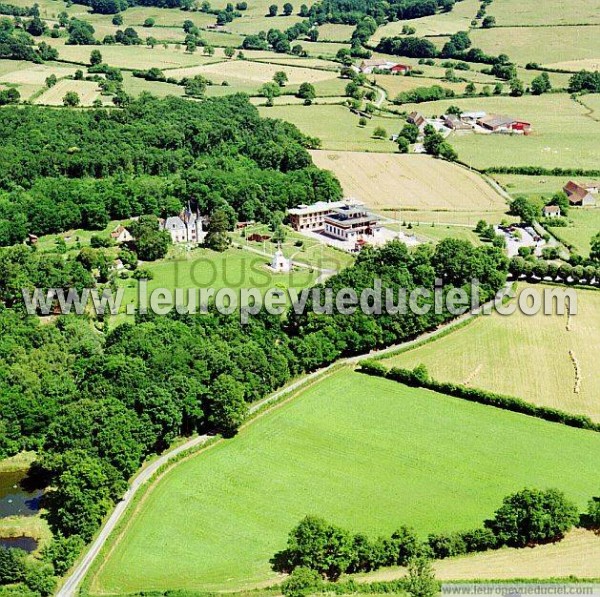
<point>411,378</point>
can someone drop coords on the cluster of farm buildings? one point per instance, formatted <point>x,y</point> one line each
<point>479,122</point>
<point>382,65</point>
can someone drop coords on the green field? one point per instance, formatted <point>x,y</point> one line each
<point>563,134</point>
<point>545,186</point>
<point>365,453</point>
<point>202,268</point>
<point>337,127</point>
<point>539,44</point>
<point>524,356</point>
<point>585,225</point>
<point>515,12</point>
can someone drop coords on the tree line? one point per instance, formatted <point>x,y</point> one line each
<point>525,518</point>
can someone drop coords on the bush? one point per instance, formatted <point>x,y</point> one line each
<point>303,581</point>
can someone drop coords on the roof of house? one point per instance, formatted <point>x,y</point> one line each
<point>118,231</point>
<point>376,62</point>
<point>551,209</point>
<point>321,206</point>
<point>571,187</point>
<point>496,121</point>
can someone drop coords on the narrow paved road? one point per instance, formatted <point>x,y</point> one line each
<point>71,585</point>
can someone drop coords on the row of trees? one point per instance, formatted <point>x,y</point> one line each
<point>525,518</point>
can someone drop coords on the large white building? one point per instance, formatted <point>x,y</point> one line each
<point>352,223</point>
<point>312,217</point>
<point>187,227</point>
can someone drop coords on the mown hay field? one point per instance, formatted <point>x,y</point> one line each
<point>395,181</point>
<point>577,555</point>
<point>366,453</point>
<point>524,356</point>
<point>563,134</point>
<point>255,72</point>
<point>88,91</point>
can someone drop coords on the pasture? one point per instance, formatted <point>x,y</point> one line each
<point>544,45</point>
<point>577,65</point>
<point>389,454</point>
<point>563,133</point>
<point>334,32</point>
<point>541,186</point>
<point>88,91</point>
<point>523,356</point>
<point>585,224</point>
<point>398,182</point>
<point>514,12</point>
<point>445,23</point>
<point>135,57</point>
<point>577,555</point>
<point>337,127</point>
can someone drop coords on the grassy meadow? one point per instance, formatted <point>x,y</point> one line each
<point>563,134</point>
<point>585,223</point>
<point>544,45</point>
<point>337,127</point>
<point>523,356</point>
<point>514,12</point>
<point>366,453</point>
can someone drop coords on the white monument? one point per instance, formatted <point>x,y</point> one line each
<point>279,262</point>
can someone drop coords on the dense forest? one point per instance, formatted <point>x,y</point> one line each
<point>64,169</point>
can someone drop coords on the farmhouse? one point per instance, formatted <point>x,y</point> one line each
<point>352,223</point>
<point>312,217</point>
<point>551,211</point>
<point>184,228</point>
<point>417,119</point>
<point>368,66</point>
<point>583,195</point>
<point>504,124</point>
<point>455,123</point>
<point>121,235</point>
<point>401,69</point>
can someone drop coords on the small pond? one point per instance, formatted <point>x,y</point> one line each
<point>15,500</point>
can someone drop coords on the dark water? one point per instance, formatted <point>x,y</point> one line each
<point>14,499</point>
<point>27,544</point>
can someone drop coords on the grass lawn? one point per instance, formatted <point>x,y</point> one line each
<point>586,224</point>
<point>202,268</point>
<point>312,252</point>
<point>434,234</point>
<point>524,356</point>
<point>563,135</point>
<point>539,44</point>
<point>366,453</point>
<point>337,127</point>
<point>405,182</point>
